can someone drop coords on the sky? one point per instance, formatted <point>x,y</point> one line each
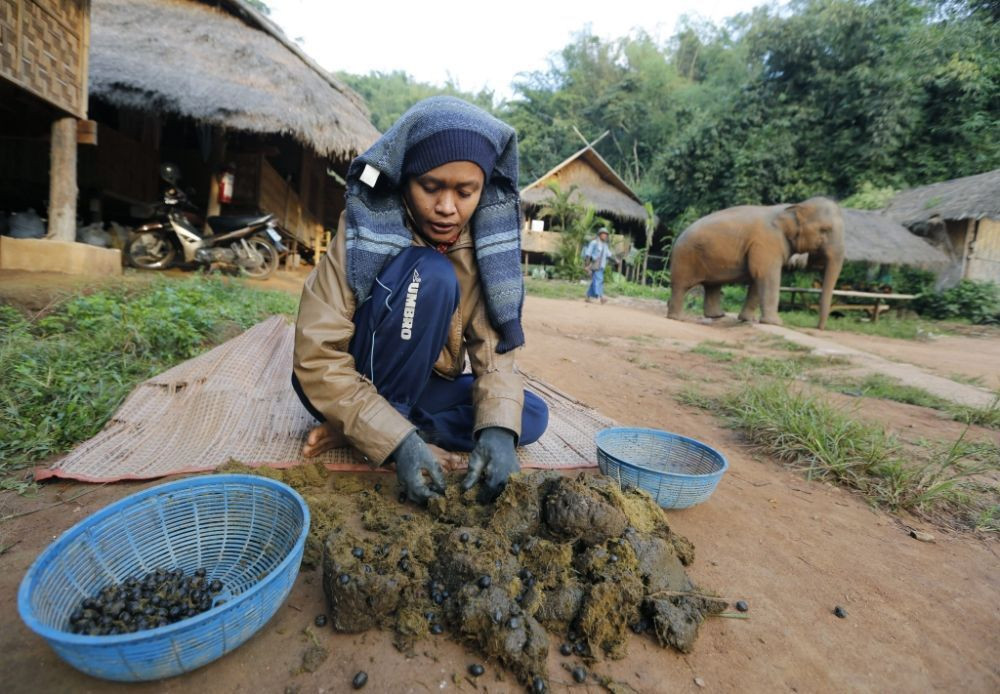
<point>476,43</point>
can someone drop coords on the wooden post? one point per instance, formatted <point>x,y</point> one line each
<point>62,181</point>
<point>218,154</point>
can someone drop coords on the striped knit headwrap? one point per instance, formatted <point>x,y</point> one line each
<point>376,231</point>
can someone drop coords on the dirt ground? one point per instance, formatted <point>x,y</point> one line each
<point>921,615</point>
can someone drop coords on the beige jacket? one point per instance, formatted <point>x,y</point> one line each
<point>350,402</point>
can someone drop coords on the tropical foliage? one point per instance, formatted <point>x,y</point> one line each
<point>835,97</point>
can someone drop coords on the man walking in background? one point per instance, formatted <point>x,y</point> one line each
<point>597,254</point>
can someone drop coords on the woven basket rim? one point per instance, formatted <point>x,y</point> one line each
<point>661,433</point>
<point>70,535</point>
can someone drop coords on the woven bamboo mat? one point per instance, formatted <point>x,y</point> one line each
<point>236,402</point>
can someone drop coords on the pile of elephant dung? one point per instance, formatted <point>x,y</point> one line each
<point>575,557</point>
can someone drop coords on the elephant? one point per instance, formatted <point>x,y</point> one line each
<point>750,244</point>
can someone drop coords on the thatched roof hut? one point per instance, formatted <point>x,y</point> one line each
<point>872,237</point>
<point>971,197</point>
<point>596,183</point>
<point>962,217</point>
<point>216,69</point>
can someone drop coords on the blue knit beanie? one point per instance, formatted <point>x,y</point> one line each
<point>447,146</point>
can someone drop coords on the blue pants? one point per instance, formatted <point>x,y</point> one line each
<point>596,288</point>
<point>399,333</point>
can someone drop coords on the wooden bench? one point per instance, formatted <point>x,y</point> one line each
<point>882,300</point>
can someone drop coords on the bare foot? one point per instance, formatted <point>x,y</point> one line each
<point>449,461</point>
<point>321,439</point>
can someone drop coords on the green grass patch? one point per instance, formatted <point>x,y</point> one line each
<point>776,342</point>
<point>554,289</point>
<point>887,388</point>
<point>827,442</point>
<point>568,289</point>
<point>789,367</point>
<point>887,325</point>
<point>64,373</point>
<point>707,350</point>
<point>988,416</point>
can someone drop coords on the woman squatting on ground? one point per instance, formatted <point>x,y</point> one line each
<point>424,270</point>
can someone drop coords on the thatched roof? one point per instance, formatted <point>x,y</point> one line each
<point>197,61</point>
<point>597,185</point>
<point>873,237</point>
<point>972,197</point>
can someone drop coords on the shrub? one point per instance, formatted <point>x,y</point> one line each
<point>978,302</point>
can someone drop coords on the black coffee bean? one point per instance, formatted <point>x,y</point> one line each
<point>579,674</point>
<point>404,553</point>
<point>637,628</point>
<point>579,648</point>
<point>476,669</point>
<point>404,565</point>
<point>840,612</point>
<point>742,606</point>
<point>402,499</point>
<point>378,486</point>
<point>524,573</point>
<point>566,649</point>
<point>436,629</point>
<point>215,586</point>
<point>530,581</point>
<point>344,579</point>
<point>538,685</point>
<point>320,620</point>
<point>464,537</point>
<point>479,543</point>
<point>437,598</point>
<point>484,581</point>
<point>360,680</point>
<point>515,549</point>
<point>358,552</point>
<point>445,594</point>
<point>497,615</point>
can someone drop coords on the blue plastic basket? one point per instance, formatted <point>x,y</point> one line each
<point>677,471</point>
<point>248,532</point>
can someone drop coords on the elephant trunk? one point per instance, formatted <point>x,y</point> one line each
<point>834,262</point>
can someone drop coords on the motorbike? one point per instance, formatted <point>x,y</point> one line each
<point>250,243</point>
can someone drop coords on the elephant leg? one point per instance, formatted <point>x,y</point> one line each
<point>713,301</point>
<point>675,307</point>
<point>768,288</point>
<point>752,303</point>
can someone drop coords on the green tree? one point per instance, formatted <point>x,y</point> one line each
<point>390,94</point>
<point>817,97</point>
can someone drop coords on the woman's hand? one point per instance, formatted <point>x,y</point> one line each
<point>494,454</point>
<point>413,459</point>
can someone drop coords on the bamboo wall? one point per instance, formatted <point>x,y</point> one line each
<point>43,49</point>
<point>984,252</point>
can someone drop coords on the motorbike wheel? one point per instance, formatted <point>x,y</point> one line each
<point>270,258</point>
<point>151,250</point>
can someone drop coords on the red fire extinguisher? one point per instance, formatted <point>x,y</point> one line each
<point>227,182</point>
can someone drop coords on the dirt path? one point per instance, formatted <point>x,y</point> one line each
<point>909,374</point>
<point>921,616</point>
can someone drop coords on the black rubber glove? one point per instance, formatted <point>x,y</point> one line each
<point>413,458</point>
<point>494,453</point>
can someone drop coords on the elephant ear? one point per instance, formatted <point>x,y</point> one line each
<point>792,218</point>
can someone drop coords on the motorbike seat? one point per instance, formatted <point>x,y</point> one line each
<point>232,223</point>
